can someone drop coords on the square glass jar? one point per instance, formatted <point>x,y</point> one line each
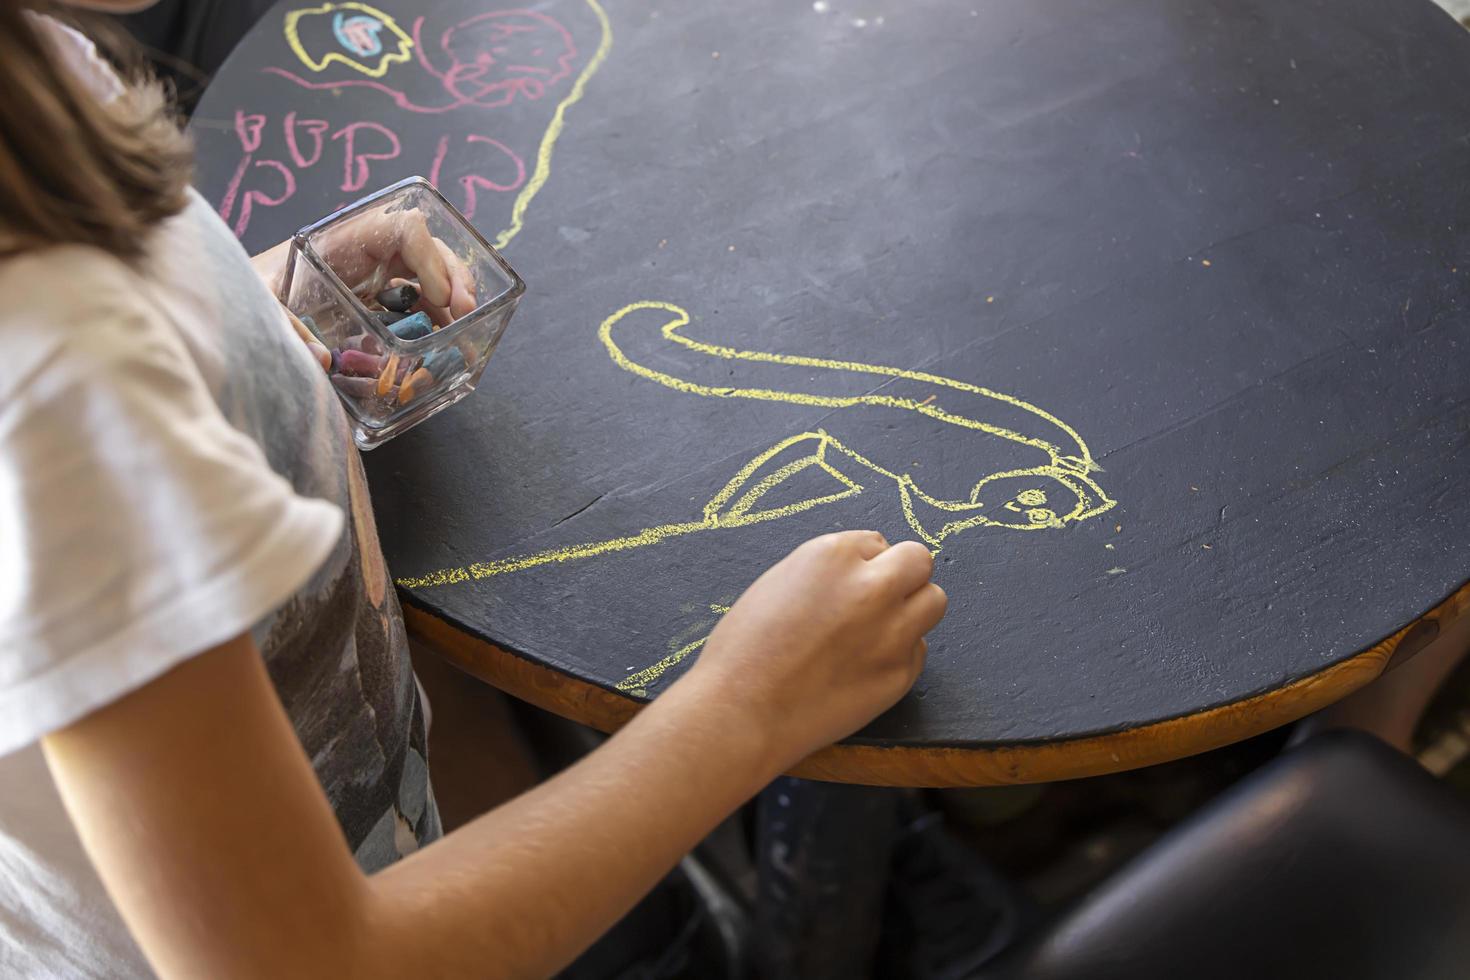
<point>338,268</point>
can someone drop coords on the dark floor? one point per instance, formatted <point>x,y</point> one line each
<point>1051,843</point>
<point>1443,740</point>
<point>1057,840</point>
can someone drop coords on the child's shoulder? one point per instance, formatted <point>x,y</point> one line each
<point>66,278</point>
<point>75,297</point>
<point>74,315</point>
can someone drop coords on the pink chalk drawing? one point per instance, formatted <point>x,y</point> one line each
<point>355,163</point>
<point>485,61</point>
<point>474,182</point>
<point>315,128</point>
<point>254,197</point>
<point>496,56</point>
<point>248,127</point>
<point>478,163</point>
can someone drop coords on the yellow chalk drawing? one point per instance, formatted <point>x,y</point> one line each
<point>1056,492</point>
<point>553,131</point>
<point>1079,460</point>
<point>389,27</point>
<point>637,683</point>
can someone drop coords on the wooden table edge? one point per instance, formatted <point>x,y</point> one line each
<point>873,765</point>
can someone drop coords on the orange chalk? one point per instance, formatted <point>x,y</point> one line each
<point>420,378</point>
<point>390,372</point>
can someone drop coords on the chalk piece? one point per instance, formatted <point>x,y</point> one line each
<point>443,363</point>
<point>399,299</point>
<point>413,327</point>
<point>355,387</point>
<point>360,363</point>
<point>388,317</point>
<point>364,342</point>
<point>390,372</point>
<point>418,382</point>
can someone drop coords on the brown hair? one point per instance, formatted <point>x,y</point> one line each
<point>73,169</point>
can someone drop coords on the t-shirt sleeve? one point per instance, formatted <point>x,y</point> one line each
<point>138,527</point>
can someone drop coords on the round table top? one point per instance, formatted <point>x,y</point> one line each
<point>1149,316</point>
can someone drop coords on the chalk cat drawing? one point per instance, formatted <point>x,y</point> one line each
<point>1047,484</point>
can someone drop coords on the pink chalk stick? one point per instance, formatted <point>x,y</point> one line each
<point>360,363</point>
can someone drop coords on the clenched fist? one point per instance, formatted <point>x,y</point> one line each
<point>825,640</point>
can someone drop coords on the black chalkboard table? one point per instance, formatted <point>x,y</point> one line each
<point>1152,317</point>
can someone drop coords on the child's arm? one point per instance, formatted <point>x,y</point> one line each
<point>204,817</point>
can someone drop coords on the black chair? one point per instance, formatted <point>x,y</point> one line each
<point>1341,859</point>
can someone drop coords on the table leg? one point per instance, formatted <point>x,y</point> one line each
<point>822,854</point>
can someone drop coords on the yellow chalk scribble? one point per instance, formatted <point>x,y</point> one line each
<point>1080,460</point>
<point>553,130</point>
<point>1058,492</point>
<point>712,519</point>
<point>637,683</point>
<point>387,58</point>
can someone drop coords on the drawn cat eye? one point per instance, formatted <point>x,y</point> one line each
<point>1034,497</point>
<point>1040,516</point>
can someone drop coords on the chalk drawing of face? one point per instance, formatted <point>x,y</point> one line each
<point>353,34</point>
<point>1044,497</point>
<point>496,56</point>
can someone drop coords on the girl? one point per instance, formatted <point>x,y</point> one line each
<point>212,748</point>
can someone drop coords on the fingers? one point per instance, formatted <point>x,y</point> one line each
<point>925,608</point>
<point>318,351</point>
<point>302,330</point>
<point>863,544</point>
<point>904,568</point>
<point>438,314</point>
<point>461,289</point>
<point>868,544</point>
<point>419,252</point>
<point>462,284</point>
<point>917,661</point>
<point>377,248</point>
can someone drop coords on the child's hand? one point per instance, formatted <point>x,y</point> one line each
<point>388,246</point>
<point>318,350</point>
<point>825,640</point>
<point>372,250</point>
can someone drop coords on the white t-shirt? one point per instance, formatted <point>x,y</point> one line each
<point>174,471</point>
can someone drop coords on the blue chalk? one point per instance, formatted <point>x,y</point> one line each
<point>412,327</point>
<point>443,363</point>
